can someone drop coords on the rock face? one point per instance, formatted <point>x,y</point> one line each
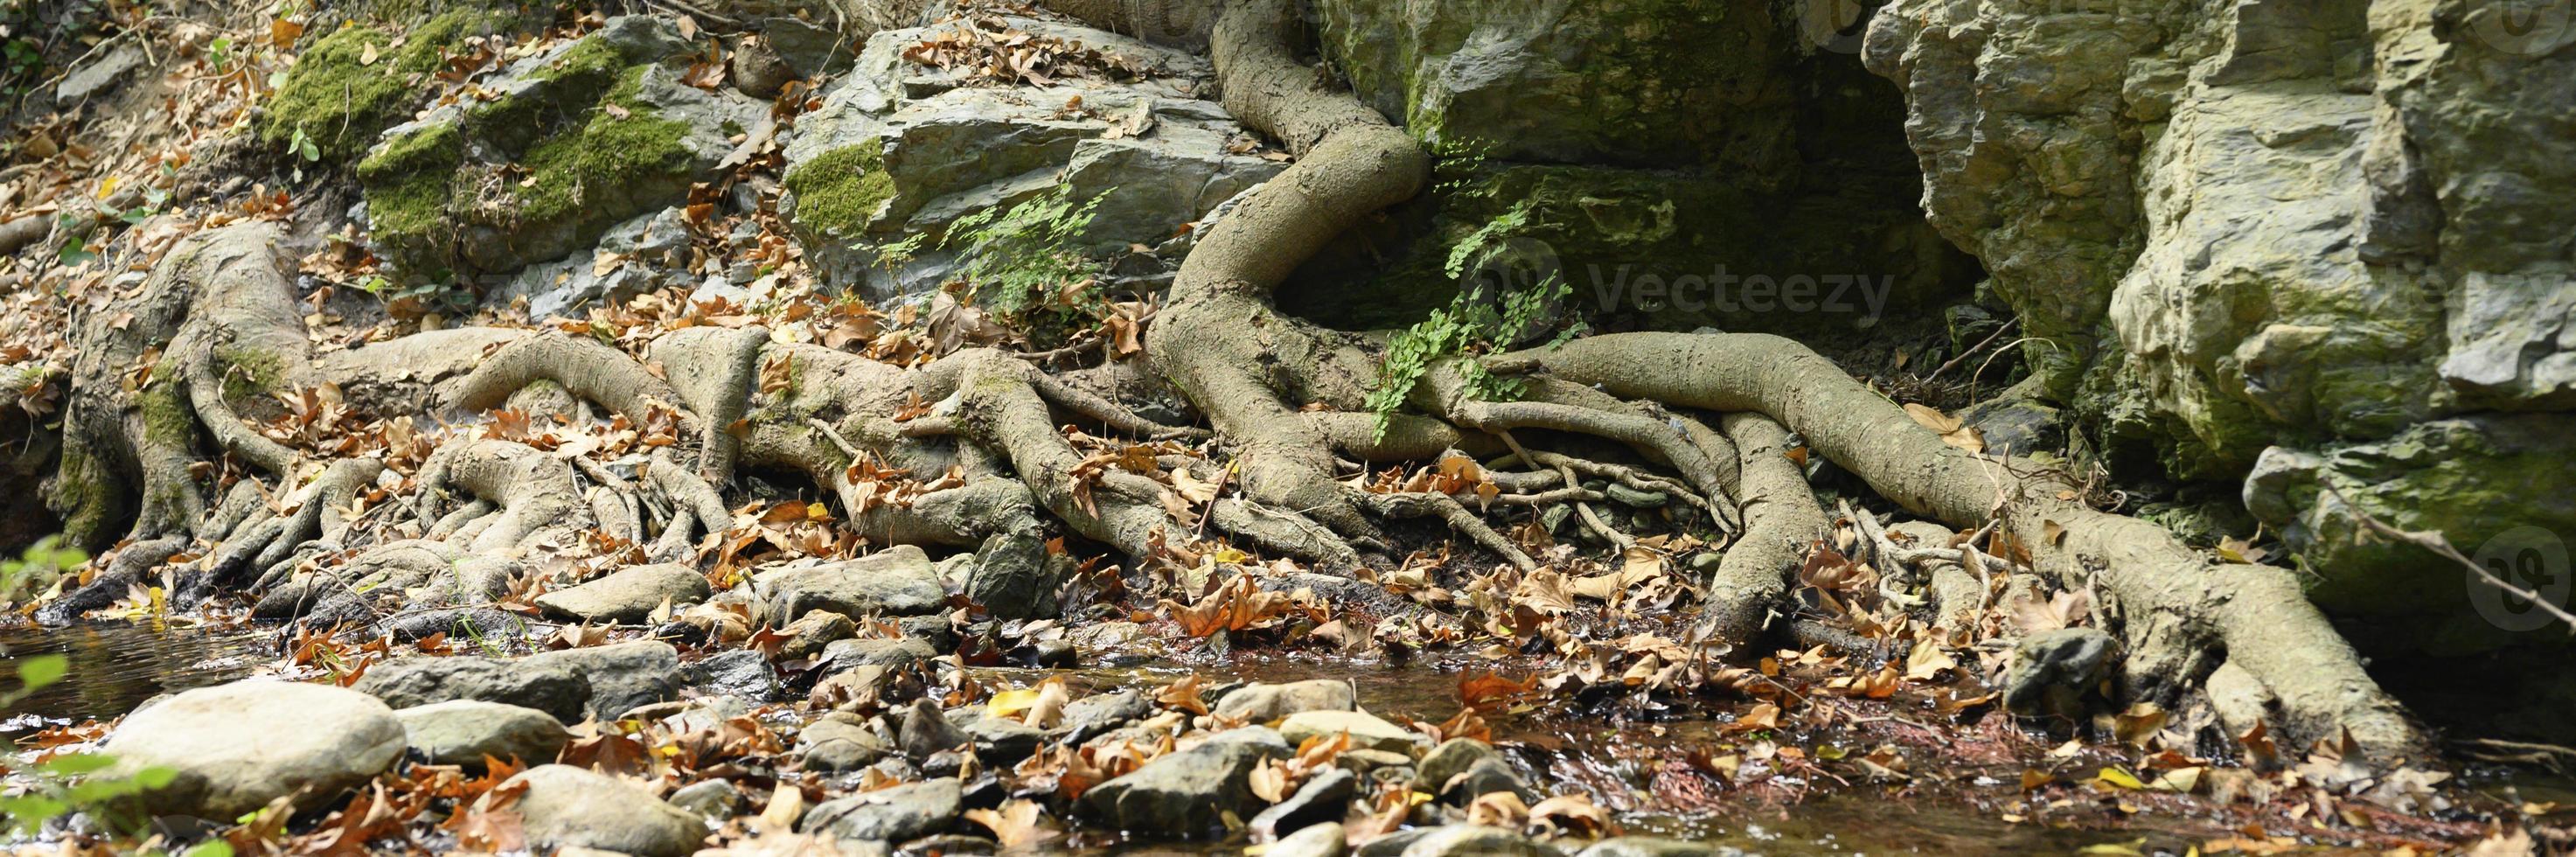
<point>238,746</point>
<point>627,595</point>
<point>569,807</point>
<point>602,127</point>
<point>2322,243</point>
<point>463,731</point>
<point>900,149</point>
<point>1630,148</point>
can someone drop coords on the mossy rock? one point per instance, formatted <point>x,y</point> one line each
<point>838,190</point>
<point>343,102</point>
<point>577,140</point>
<point>1671,249</point>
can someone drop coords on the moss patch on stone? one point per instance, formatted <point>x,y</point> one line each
<point>837,190</point>
<point>341,102</point>
<point>409,184</point>
<point>608,151</point>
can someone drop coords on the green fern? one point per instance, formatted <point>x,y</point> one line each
<point>1469,325</point>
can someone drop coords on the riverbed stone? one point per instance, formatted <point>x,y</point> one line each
<point>1100,712</point>
<point>627,595</point>
<point>999,741</point>
<point>553,688</point>
<point>1262,703</point>
<point>876,652</point>
<point>840,742</point>
<point>1366,730</point>
<point>897,581</point>
<point>927,731</point>
<point>1186,792</point>
<point>1451,758</point>
<point>237,746</point>
<point>1654,846</point>
<point>1327,839</point>
<point>623,676</point>
<point>715,799</point>
<point>464,731</point>
<point>888,815</point>
<point>569,807</point>
<point>1484,776</point>
<point>2056,673</point>
<point>806,637</point>
<point>739,673</point>
<point>1323,798</point>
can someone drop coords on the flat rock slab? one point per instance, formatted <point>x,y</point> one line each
<point>1262,703</point>
<point>238,746</point>
<point>628,595</point>
<point>1187,792</point>
<point>894,582</point>
<point>890,815</point>
<point>1366,730</point>
<point>553,688</point>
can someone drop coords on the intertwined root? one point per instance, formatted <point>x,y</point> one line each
<point>1285,399</point>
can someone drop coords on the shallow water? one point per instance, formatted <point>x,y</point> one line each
<point>116,666</point>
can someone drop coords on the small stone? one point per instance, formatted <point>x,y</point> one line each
<point>1316,840</point>
<point>1364,760</point>
<point>897,814</point>
<point>1011,577</point>
<point>714,800</point>
<point>1451,758</point>
<point>1057,655</point>
<point>927,731</point>
<point>1324,798</point>
<point>1092,715</point>
<point>1485,776</point>
<point>1366,730</point>
<point>2055,673</point>
<point>840,742</point>
<point>1262,703</point>
<point>463,731</point>
<point>628,595</point>
<point>235,747</point>
<point>757,69</point>
<point>806,637</point>
<point>877,652</point>
<point>569,807</point>
<point>998,741</point>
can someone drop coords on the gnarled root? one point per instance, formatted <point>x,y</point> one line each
<point>1781,523</point>
<point>2254,613</point>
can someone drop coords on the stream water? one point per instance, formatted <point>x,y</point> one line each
<point>1954,810</point>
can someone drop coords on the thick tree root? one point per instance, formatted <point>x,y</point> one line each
<point>1782,523</point>
<point>2255,614</point>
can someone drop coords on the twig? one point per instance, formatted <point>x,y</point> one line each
<point>1972,350</point>
<point>2433,541</point>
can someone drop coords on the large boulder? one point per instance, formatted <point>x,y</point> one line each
<point>566,807</point>
<point>602,128</point>
<point>900,149</point>
<point>238,746</point>
<point>2307,245</point>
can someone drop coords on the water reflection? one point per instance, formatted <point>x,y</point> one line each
<point>116,666</point>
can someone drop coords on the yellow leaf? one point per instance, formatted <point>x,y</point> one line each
<point>1932,418</point>
<point>2119,778</point>
<point>369,55</point>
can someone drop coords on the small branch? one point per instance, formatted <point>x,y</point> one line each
<point>2433,541</point>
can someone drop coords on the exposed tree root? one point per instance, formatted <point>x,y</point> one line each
<point>218,329</point>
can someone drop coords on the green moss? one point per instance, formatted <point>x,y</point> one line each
<point>409,185</point>
<point>838,190</point>
<point>603,156</point>
<point>252,372</point>
<point>166,416</point>
<point>342,102</point>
